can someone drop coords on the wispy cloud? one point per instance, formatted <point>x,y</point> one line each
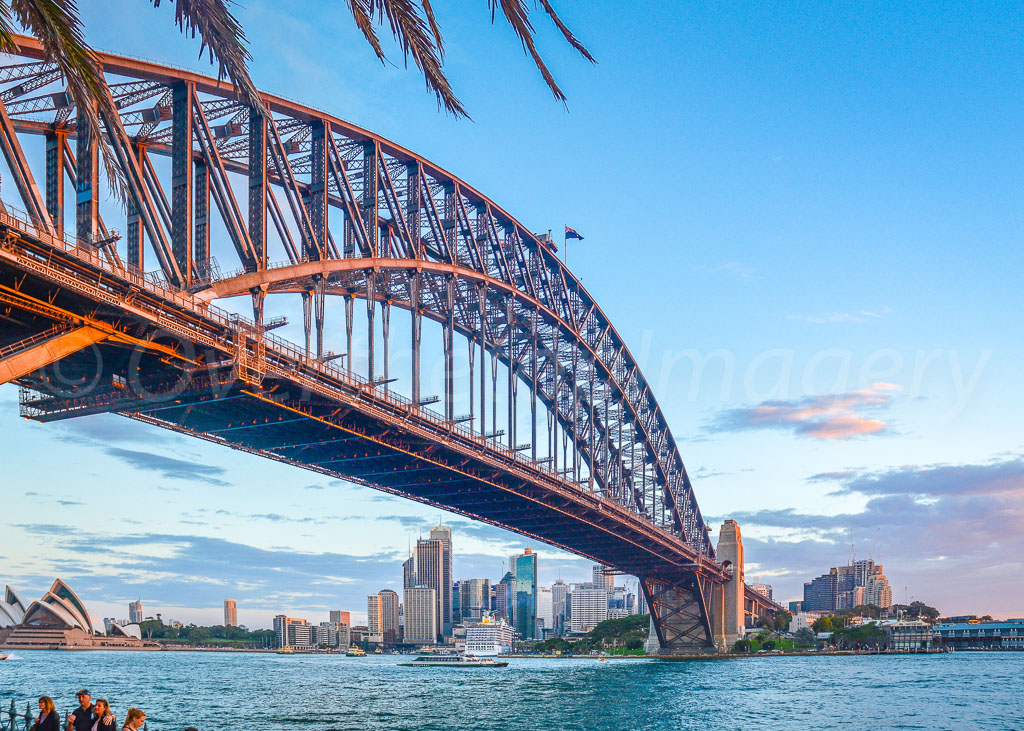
<point>733,270</point>
<point>831,416</point>
<point>971,515</point>
<point>169,467</point>
<point>844,317</point>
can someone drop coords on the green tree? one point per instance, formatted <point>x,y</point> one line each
<point>741,646</point>
<point>823,624</point>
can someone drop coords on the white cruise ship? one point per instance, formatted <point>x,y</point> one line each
<point>489,637</point>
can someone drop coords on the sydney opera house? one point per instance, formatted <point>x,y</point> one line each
<point>58,620</point>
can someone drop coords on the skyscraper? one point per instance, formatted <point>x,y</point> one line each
<point>420,615</point>
<point>474,599</point>
<point>505,597</point>
<point>282,625</point>
<point>430,571</point>
<point>409,572</point>
<point>135,611</point>
<point>443,533</point>
<point>602,579</point>
<point>382,617</point>
<point>230,613</point>
<point>545,611</point>
<point>587,607</point>
<point>526,594</point>
<point>558,591</point>
<point>337,615</point>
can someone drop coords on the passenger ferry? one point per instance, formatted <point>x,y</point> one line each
<point>453,661</point>
<point>355,652</point>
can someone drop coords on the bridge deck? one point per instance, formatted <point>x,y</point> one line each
<point>215,376</point>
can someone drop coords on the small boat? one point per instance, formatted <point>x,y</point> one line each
<point>4,657</point>
<point>453,661</point>
<point>355,652</point>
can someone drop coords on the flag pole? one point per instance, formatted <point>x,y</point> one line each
<point>565,248</point>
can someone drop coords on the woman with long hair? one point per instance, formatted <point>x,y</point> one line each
<point>104,718</point>
<point>134,720</point>
<point>48,719</point>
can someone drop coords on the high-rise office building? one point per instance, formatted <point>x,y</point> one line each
<point>338,615</point>
<point>545,612</point>
<point>525,613</point>
<point>587,607</point>
<point>822,593</point>
<point>558,593</point>
<point>135,612</point>
<point>382,617</point>
<point>603,577</point>
<point>430,571</point>
<point>505,597</point>
<point>230,613</point>
<point>409,573</point>
<point>421,615</point>
<point>474,599</point>
<point>443,533</point>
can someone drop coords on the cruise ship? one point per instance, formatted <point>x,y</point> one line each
<point>489,637</point>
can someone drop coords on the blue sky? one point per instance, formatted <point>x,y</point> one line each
<point>805,220</point>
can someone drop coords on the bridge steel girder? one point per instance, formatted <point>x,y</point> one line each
<point>33,356</point>
<point>682,614</point>
<point>415,236</point>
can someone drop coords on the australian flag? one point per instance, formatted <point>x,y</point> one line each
<point>570,233</point>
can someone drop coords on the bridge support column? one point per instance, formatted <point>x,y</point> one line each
<point>730,551</point>
<point>680,616</point>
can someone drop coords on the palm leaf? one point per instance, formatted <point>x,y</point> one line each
<point>57,26</point>
<point>566,33</point>
<point>518,16</point>
<point>418,36</point>
<point>222,36</point>
<point>7,30</point>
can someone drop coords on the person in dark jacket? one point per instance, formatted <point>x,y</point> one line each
<point>82,717</point>
<point>48,719</point>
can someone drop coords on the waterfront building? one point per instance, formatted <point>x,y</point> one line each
<point>230,613</point>
<point>474,599</point>
<point>341,617</point>
<point>981,635</point>
<point>135,611</point>
<point>845,587</point>
<point>332,634</point>
<point>300,635</point>
<point>357,634</point>
<point>281,629</point>
<point>525,612</point>
<point>587,606</point>
<point>490,636</point>
<point>908,635</point>
<point>57,620</point>
<point>382,617</point>
<point>443,533</point>
<point>421,623</point>
<point>430,571</point>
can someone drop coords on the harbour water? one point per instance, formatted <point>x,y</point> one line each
<point>258,692</point>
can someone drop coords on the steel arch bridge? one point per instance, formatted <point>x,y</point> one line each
<point>583,457</point>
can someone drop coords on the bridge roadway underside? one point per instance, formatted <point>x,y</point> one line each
<point>347,430</point>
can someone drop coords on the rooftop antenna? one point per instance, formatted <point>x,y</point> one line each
<point>874,544</point>
<point>853,549</point>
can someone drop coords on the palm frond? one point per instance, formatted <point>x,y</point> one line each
<point>566,33</point>
<point>221,35</point>
<point>411,31</point>
<point>518,16</point>
<point>428,11</point>
<point>362,13</point>
<point>7,30</point>
<point>57,26</point>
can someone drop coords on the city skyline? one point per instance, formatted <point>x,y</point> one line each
<point>802,343</point>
